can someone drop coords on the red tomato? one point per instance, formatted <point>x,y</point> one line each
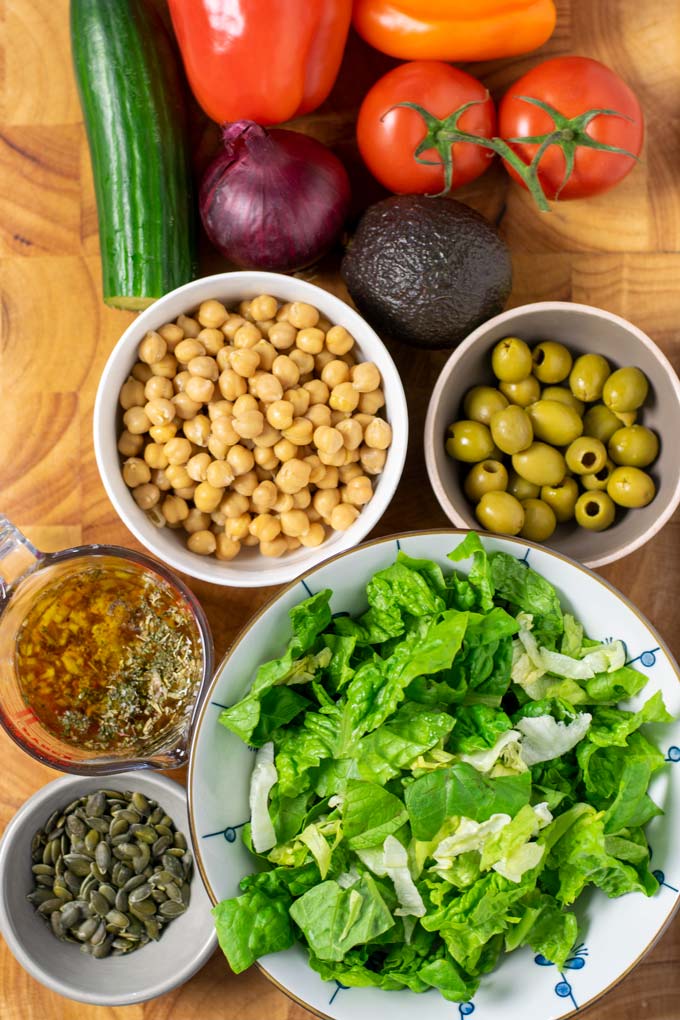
<point>388,138</point>
<point>573,85</point>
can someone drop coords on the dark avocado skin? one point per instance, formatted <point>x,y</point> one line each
<point>426,271</point>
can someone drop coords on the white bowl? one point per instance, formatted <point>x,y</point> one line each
<point>583,329</point>
<point>185,945</point>
<point>249,569</point>
<point>614,933</point>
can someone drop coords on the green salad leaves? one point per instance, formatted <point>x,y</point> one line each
<point>438,779</point>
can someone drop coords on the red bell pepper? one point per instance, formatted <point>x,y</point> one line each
<point>258,60</point>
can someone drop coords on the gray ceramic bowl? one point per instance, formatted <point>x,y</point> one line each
<point>582,329</point>
<point>185,945</point>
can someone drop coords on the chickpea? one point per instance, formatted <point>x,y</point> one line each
<point>132,393</point>
<point>185,407</point>
<point>299,398</point>
<point>351,433</point>
<point>339,341</point>
<point>284,503</point>
<point>178,477</point>
<point>197,466</point>
<point>292,543</point>
<point>238,527</point>
<point>232,325</point>
<point>186,491</point>
<point>319,415</point>
<point>227,548</point>
<point>302,499</point>
<point>234,505</point>
<point>351,457</point>
<point>244,309</point>
<point>231,384</point>
<point>310,340</point>
<point>160,479</point>
<point>245,362</point>
<point>212,340</point>
<point>177,450</point>
<point>141,372</point>
<point>327,440</point>
<point>314,515</point>
<point>343,516</point>
<point>276,548</point>
<point>329,479</point>
<point>223,358</point>
<point>365,377</point>
<point>372,459</point>
<point>166,367</point>
<point>246,484</point>
<point>196,521</point>
<point>344,397</point>
<point>202,542</point>
<point>174,509</point>
<point>220,408</point>
<point>153,348</point>
<point>300,432</point>
<point>245,403</point>
<point>267,354</point>
<point>217,448</point>
<point>268,387</point>
<point>199,389</point>
<point>146,496</point>
<point>265,495</point>
<point>294,523</point>
<point>318,391</point>
<point>303,361</point>
<point>180,381</point>
<point>293,476</point>
<point>136,421</point>
<point>282,336</point>
<point>314,536</point>
<point>335,373</point>
<point>130,445</point>
<point>301,315</point>
<point>212,314</point>
<point>222,428</point>
<point>240,460</point>
<point>266,458</point>
<point>158,387</point>
<point>163,433</point>
<point>188,325</point>
<point>378,434</point>
<point>207,497</point>
<point>357,491</point>
<point>160,411</point>
<point>317,468</point>
<point>219,474</point>
<point>198,429</point>
<point>249,425</point>
<point>321,360</point>
<point>265,527</point>
<point>172,334</point>
<point>337,459</point>
<point>349,471</point>
<point>363,419</point>
<point>154,455</point>
<point>205,367</point>
<point>280,414</point>
<point>136,472</point>
<point>370,403</point>
<point>268,437</point>
<point>282,314</point>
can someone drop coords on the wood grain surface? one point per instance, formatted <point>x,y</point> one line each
<point>620,251</point>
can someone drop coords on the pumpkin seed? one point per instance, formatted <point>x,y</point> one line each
<point>91,840</point>
<point>153,928</point>
<point>75,827</point>
<point>134,883</point>
<point>141,892</point>
<point>142,858</point>
<point>42,869</point>
<point>39,896</point>
<point>117,918</point>
<point>102,950</point>
<point>72,883</point>
<point>140,803</point>
<point>61,891</point>
<point>51,822</point>
<point>145,833</point>
<point>171,909</point>
<point>172,891</point>
<point>108,892</point>
<point>45,880</point>
<point>121,901</point>
<point>86,929</point>
<point>180,841</point>
<point>70,915</point>
<point>118,826</point>
<point>78,864</point>
<point>49,905</point>
<point>99,935</point>
<point>95,805</point>
<point>99,903</point>
<point>57,924</point>
<point>100,825</point>
<point>147,908</point>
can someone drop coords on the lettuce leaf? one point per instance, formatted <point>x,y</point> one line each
<point>252,925</point>
<point>334,919</point>
<point>526,591</point>
<point>369,813</point>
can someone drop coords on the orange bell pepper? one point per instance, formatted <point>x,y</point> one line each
<point>454,30</point>
<point>258,60</point>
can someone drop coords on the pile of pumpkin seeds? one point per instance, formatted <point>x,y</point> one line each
<point>110,871</point>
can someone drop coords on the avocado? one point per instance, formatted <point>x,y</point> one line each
<point>426,271</point>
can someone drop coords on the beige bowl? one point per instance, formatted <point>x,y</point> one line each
<point>583,329</point>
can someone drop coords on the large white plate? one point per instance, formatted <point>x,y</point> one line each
<point>614,933</point>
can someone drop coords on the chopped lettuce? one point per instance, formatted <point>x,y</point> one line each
<point>438,779</point>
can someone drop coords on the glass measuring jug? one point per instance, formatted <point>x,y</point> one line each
<point>103,656</point>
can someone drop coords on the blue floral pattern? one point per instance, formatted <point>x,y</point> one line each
<point>229,832</point>
<point>563,988</point>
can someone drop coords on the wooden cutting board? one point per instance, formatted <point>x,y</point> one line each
<point>621,252</point>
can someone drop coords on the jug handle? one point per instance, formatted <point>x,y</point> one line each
<point>18,556</point>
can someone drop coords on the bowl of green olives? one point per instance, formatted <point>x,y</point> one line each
<point>556,421</point>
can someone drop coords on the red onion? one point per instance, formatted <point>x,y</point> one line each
<point>274,199</point>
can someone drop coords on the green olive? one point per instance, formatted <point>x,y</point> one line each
<point>627,417</point>
<point>561,498</point>
<point>470,441</point>
<point>520,488</point>
<point>552,362</point>
<point>511,429</point>
<point>564,396</point>
<point>626,389</point>
<point>481,402</point>
<point>500,512</point>
<point>594,510</point>
<point>634,445</point>
<point>628,486</point>
<point>540,464</point>
<point>524,392</point>
<point>588,377</point>
<point>487,476</point>
<point>511,360</point>
<point>599,479</point>
<point>600,422</point>
<point>586,455</point>
<point>539,520</point>
<point>555,422</point>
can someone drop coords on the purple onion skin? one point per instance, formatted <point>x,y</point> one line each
<point>274,200</point>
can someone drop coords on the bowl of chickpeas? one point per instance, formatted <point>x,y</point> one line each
<point>247,426</point>
<point>556,422</point>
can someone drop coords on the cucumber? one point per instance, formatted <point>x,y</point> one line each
<point>132,95</point>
